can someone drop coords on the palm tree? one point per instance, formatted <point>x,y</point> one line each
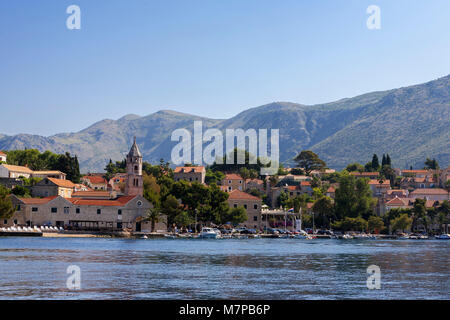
<point>154,216</point>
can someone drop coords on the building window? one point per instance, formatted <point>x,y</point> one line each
<point>34,209</point>
<point>5,221</point>
<point>66,210</point>
<point>119,212</point>
<point>255,218</point>
<point>15,221</point>
<point>18,207</point>
<point>245,206</point>
<point>255,206</point>
<point>99,211</point>
<point>77,210</point>
<point>235,205</point>
<point>54,210</point>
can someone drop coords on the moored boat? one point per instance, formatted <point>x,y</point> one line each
<point>209,233</point>
<point>443,237</point>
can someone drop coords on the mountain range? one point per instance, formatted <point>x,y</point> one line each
<point>410,124</point>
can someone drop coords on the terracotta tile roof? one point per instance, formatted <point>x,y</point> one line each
<point>2,154</point>
<point>95,179</point>
<point>50,172</point>
<point>414,171</point>
<point>189,169</point>
<point>37,200</point>
<point>364,174</point>
<point>80,194</point>
<point>305,183</point>
<point>17,168</point>
<point>309,205</point>
<point>385,183</point>
<point>397,191</point>
<point>233,176</point>
<point>119,202</point>
<point>398,202</point>
<point>435,191</point>
<point>240,195</point>
<point>331,190</point>
<point>62,183</point>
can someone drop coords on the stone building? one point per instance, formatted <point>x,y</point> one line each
<point>233,181</point>
<point>190,174</point>
<point>11,171</point>
<point>53,187</point>
<point>251,204</point>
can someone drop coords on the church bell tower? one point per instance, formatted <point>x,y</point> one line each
<point>134,185</point>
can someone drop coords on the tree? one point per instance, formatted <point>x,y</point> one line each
<point>388,173</point>
<point>154,216</point>
<point>151,189</point>
<point>324,209</point>
<point>402,223</point>
<point>388,160</point>
<point>375,162</point>
<point>419,213</point>
<point>21,191</point>
<point>171,208</point>
<point>350,224</point>
<point>213,176</point>
<point>6,206</point>
<point>353,198</point>
<point>236,216</point>
<point>375,224</point>
<point>355,167</point>
<point>383,161</point>
<point>431,164</point>
<point>309,161</point>
<point>183,219</point>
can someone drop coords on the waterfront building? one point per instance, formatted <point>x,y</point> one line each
<point>251,204</point>
<point>3,156</point>
<point>88,210</point>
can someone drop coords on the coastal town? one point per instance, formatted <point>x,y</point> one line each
<point>136,199</point>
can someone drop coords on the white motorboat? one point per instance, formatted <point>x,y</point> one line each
<point>443,237</point>
<point>209,233</point>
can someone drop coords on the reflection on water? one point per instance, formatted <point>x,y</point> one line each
<point>223,269</point>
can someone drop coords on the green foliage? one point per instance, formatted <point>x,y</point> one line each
<point>324,209</point>
<point>309,161</point>
<point>431,164</point>
<point>355,167</point>
<point>6,206</point>
<point>297,171</point>
<point>21,192</point>
<point>114,168</point>
<point>251,162</point>
<point>350,224</point>
<point>154,216</point>
<point>375,163</point>
<point>401,223</point>
<point>236,216</point>
<point>183,219</point>
<point>375,224</point>
<point>29,182</point>
<point>213,176</point>
<point>46,161</point>
<point>353,198</point>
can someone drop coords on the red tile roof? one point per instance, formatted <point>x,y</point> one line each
<point>95,179</point>
<point>331,190</point>
<point>385,183</point>
<point>305,183</point>
<point>2,154</point>
<point>189,169</point>
<point>435,191</point>
<point>37,200</point>
<point>398,202</point>
<point>364,174</point>
<point>240,195</point>
<point>119,202</point>
<point>233,176</point>
<point>62,183</point>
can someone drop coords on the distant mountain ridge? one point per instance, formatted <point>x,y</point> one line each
<point>409,123</point>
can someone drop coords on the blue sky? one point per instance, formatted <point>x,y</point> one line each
<point>207,57</point>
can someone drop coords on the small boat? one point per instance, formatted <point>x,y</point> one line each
<point>209,233</point>
<point>443,237</point>
<point>144,237</point>
<point>347,236</point>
